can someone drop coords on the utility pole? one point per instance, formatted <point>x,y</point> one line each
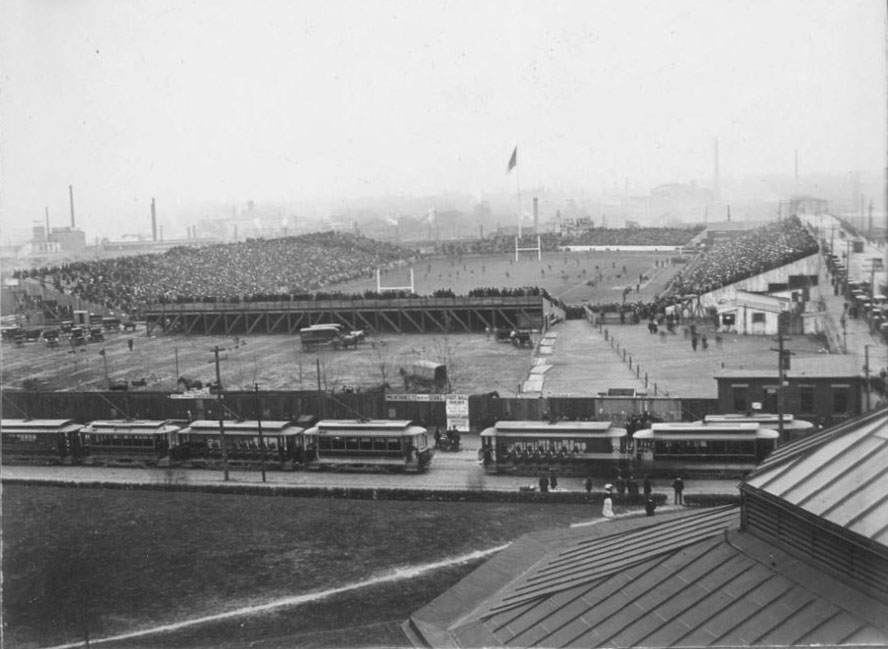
<point>216,351</point>
<point>866,384</point>
<point>259,425</point>
<point>104,356</point>
<point>782,365</point>
<point>780,377</point>
<point>322,398</point>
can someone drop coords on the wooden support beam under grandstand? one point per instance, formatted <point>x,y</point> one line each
<point>452,315</point>
<point>416,326</point>
<point>257,320</point>
<point>398,315</point>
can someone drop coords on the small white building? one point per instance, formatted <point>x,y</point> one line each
<point>752,313</point>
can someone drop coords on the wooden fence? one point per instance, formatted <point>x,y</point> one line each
<point>484,409</point>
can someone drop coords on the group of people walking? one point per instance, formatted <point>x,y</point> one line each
<point>630,486</point>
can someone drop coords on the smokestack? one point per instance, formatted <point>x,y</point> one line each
<point>797,171</point>
<point>71,198</point>
<point>153,222</point>
<point>715,173</point>
<point>47,218</point>
<point>729,213</point>
<point>536,214</point>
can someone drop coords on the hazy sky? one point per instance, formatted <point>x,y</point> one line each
<point>233,100</point>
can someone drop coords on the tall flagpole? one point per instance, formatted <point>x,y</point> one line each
<point>518,189</point>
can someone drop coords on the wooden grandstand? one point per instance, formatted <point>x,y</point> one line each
<point>396,315</point>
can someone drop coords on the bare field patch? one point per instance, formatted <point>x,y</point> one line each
<point>475,363</point>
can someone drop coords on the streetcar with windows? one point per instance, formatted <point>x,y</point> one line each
<point>279,445</point>
<point>575,447</point>
<point>129,442</point>
<point>700,449</point>
<point>40,441</point>
<point>380,444</point>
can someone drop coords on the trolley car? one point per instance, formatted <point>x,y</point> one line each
<point>280,446</point>
<point>703,449</point>
<point>397,445</point>
<point>129,441</point>
<point>793,428</point>
<point>576,446</point>
<point>40,441</point>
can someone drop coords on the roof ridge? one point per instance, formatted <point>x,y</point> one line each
<point>631,544</point>
<point>799,449</point>
<point>603,565</point>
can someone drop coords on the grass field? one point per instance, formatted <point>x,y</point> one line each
<point>116,561</point>
<point>565,275</point>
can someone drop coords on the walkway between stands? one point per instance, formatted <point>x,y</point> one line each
<point>575,349</point>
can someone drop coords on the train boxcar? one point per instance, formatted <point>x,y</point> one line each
<point>396,445</point>
<point>132,442</point>
<point>280,445</point>
<point>40,441</point>
<point>793,428</point>
<point>703,450</point>
<point>576,447</point>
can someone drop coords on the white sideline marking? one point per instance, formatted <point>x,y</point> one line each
<point>396,575</point>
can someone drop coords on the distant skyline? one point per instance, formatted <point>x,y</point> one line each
<point>271,101</point>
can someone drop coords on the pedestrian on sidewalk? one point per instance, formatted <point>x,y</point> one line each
<point>650,506</point>
<point>646,486</point>
<point>588,485</point>
<point>621,485</point>
<point>632,486</point>
<point>607,508</point>
<point>678,488</point>
<point>544,483</point>
<point>553,480</point>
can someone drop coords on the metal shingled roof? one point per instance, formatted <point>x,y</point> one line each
<point>731,589</point>
<point>839,475</point>
<point>591,560</point>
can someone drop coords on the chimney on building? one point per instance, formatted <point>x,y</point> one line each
<point>71,199</point>
<point>536,215</point>
<point>716,180</point>
<point>153,222</point>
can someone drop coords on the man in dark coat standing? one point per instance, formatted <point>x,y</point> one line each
<point>678,488</point>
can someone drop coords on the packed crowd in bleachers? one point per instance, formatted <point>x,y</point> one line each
<point>633,237</point>
<point>751,253</point>
<point>256,267</point>
<point>496,244</point>
<point>550,241</point>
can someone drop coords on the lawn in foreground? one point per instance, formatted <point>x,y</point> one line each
<point>116,561</point>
